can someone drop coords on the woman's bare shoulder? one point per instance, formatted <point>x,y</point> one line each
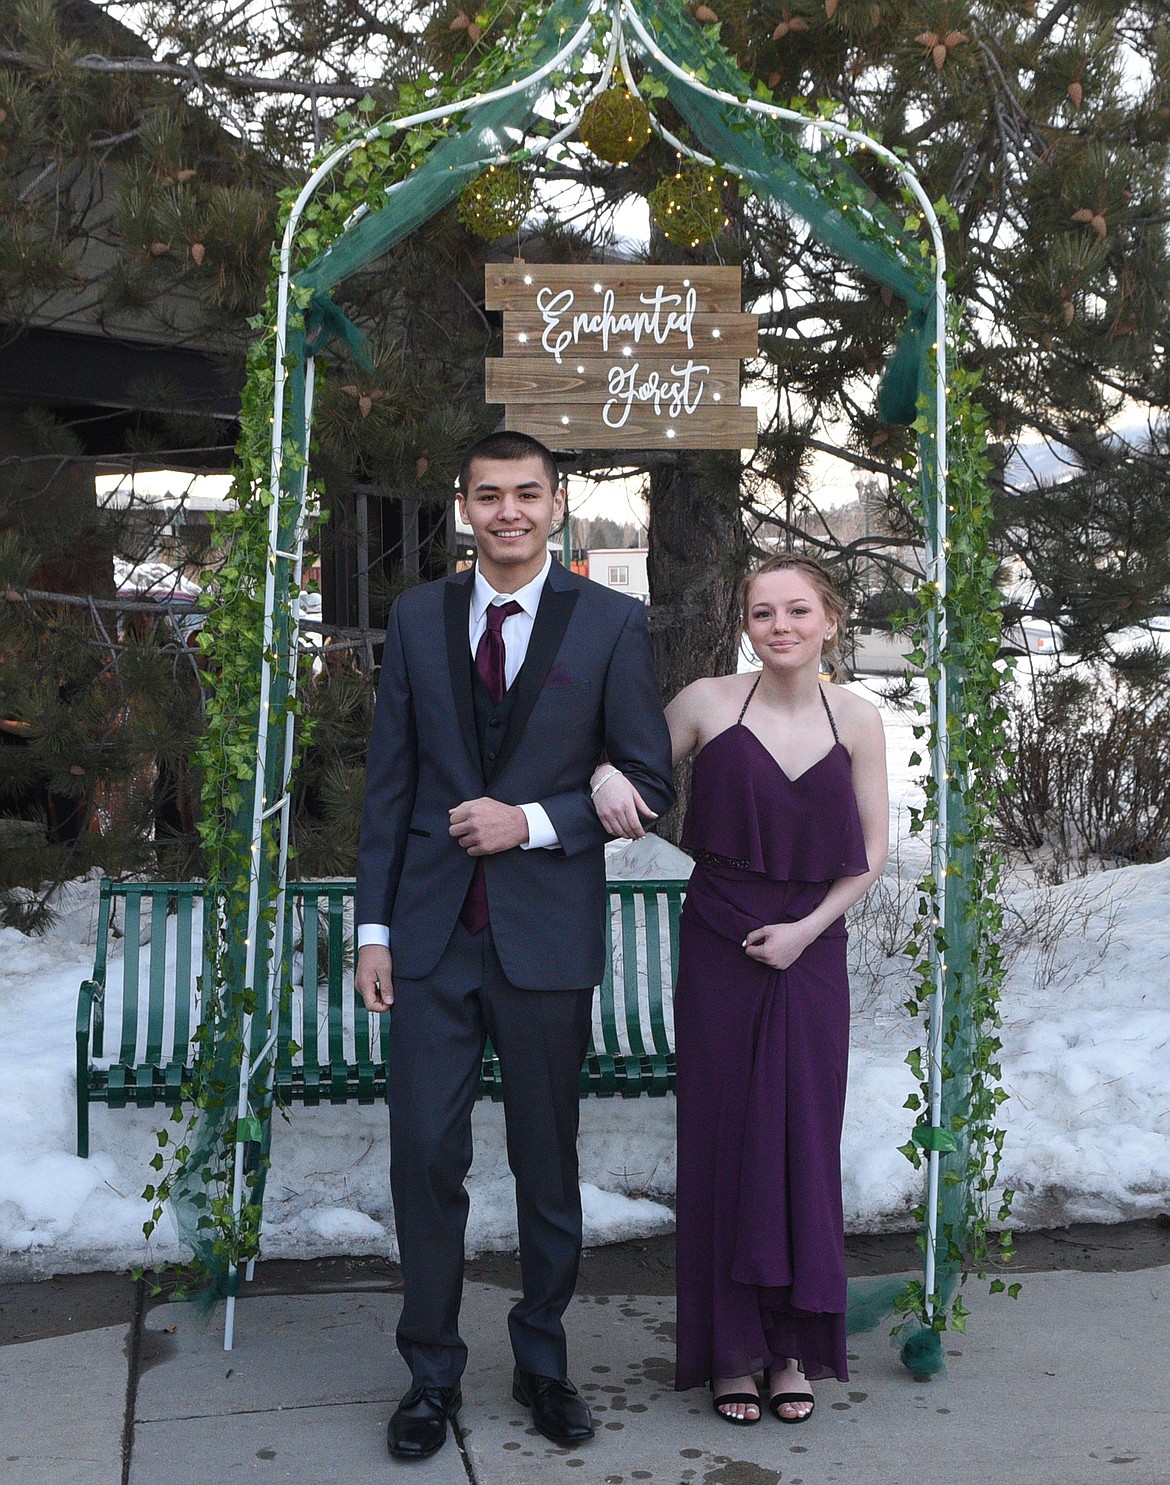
<point>855,712</point>
<point>712,690</point>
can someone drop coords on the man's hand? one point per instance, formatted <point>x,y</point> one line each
<point>373,977</point>
<point>778,945</point>
<point>485,827</point>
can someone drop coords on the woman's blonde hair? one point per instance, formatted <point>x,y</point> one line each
<point>818,576</point>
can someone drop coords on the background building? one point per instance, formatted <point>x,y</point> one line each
<point>620,568</point>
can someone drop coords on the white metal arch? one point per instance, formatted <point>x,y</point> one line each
<point>620,12</point>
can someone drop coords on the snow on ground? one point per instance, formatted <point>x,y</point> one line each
<point>1086,1034</point>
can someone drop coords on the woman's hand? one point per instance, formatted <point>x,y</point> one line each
<point>618,803</point>
<point>777,945</point>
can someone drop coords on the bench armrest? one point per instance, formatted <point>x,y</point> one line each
<point>91,1008</point>
<point>90,1000</point>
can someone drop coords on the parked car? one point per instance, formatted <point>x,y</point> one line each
<point>1033,637</point>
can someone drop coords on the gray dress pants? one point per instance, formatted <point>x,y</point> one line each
<point>437,1034</point>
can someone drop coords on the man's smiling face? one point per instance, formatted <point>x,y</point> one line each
<point>510,509</point>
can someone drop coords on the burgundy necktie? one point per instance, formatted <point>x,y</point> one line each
<point>489,665</point>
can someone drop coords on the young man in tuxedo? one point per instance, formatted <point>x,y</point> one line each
<point>481,907</point>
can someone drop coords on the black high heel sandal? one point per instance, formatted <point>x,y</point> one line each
<point>751,1399</point>
<point>777,1400</point>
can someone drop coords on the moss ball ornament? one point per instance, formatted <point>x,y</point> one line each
<point>615,126</point>
<point>497,203</point>
<point>688,207</point>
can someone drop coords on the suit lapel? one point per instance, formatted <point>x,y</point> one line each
<point>456,617</point>
<point>548,630</point>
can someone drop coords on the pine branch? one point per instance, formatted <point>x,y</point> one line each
<point>86,601</point>
<point>880,549</point>
<point>190,74</point>
<point>1051,21</point>
<point>351,636</point>
<point>157,458</point>
<point>860,461</point>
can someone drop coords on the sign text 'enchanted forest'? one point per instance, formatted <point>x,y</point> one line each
<point>622,355</point>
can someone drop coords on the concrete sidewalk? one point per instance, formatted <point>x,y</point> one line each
<point>1065,1386</point>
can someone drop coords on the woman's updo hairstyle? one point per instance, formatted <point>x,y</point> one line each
<point>818,576</point>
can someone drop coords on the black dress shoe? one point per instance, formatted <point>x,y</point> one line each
<point>419,1424</point>
<point>558,1410</point>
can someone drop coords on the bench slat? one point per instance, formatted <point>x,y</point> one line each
<point>367,1067</point>
<point>336,946</point>
<point>284,1026</point>
<point>605,996</point>
<point>156,997</point>
<point>184,979</point>
<point>130,977</point>
<point>309,980</point>
<point>337,1058</point>
<point>99,970</point>
<point>630,970</point>
<point>654,975</point>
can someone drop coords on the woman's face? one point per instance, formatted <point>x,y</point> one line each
<point>787,624</point>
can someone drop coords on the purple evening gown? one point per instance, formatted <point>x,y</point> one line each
<point>762,1057</point>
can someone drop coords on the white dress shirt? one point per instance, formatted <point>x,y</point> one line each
<point>517,631</point>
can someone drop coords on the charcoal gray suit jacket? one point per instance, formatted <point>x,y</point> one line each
<point>586,689</point>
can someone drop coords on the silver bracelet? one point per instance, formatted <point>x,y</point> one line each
<point>605,778</point>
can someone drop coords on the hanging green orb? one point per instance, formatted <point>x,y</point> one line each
<point>688,207</point>
<point>497,203</point>
<point>615,126</point>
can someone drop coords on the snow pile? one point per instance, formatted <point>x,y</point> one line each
<point>1086,1033</point>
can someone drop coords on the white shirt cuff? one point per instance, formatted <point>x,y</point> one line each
<point>541,834</point>
<point>373,933</point>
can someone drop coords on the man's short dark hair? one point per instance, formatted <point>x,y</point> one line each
<point>508,445</point>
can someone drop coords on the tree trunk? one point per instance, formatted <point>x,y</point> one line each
<point>697,554</point>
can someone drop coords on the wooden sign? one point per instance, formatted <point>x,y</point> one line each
<point>621,355</point>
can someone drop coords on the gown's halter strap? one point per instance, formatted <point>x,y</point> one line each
<point>750,694</point>
<point>824,702</point>
<point>828,713</point>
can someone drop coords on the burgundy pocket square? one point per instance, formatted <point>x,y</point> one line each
<point>558,677</point>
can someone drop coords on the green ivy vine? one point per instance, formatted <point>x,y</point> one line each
<point>965,937</point>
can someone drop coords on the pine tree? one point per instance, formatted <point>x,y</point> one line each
<point>141,193</point>
<point>1046,130</point>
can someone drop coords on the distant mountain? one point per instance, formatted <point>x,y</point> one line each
<point>1046,463</point>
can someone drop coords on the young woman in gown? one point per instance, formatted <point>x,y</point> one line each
<point>788,825</point>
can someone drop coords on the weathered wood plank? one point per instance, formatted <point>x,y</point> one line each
<point>729,428</point>
<point>590,379</point>
<point>514,286</point>
<point>732,337</point>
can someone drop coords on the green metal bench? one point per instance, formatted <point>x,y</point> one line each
<point>151,996</point>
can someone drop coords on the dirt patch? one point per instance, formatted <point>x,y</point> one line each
<point>70,1303</point>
